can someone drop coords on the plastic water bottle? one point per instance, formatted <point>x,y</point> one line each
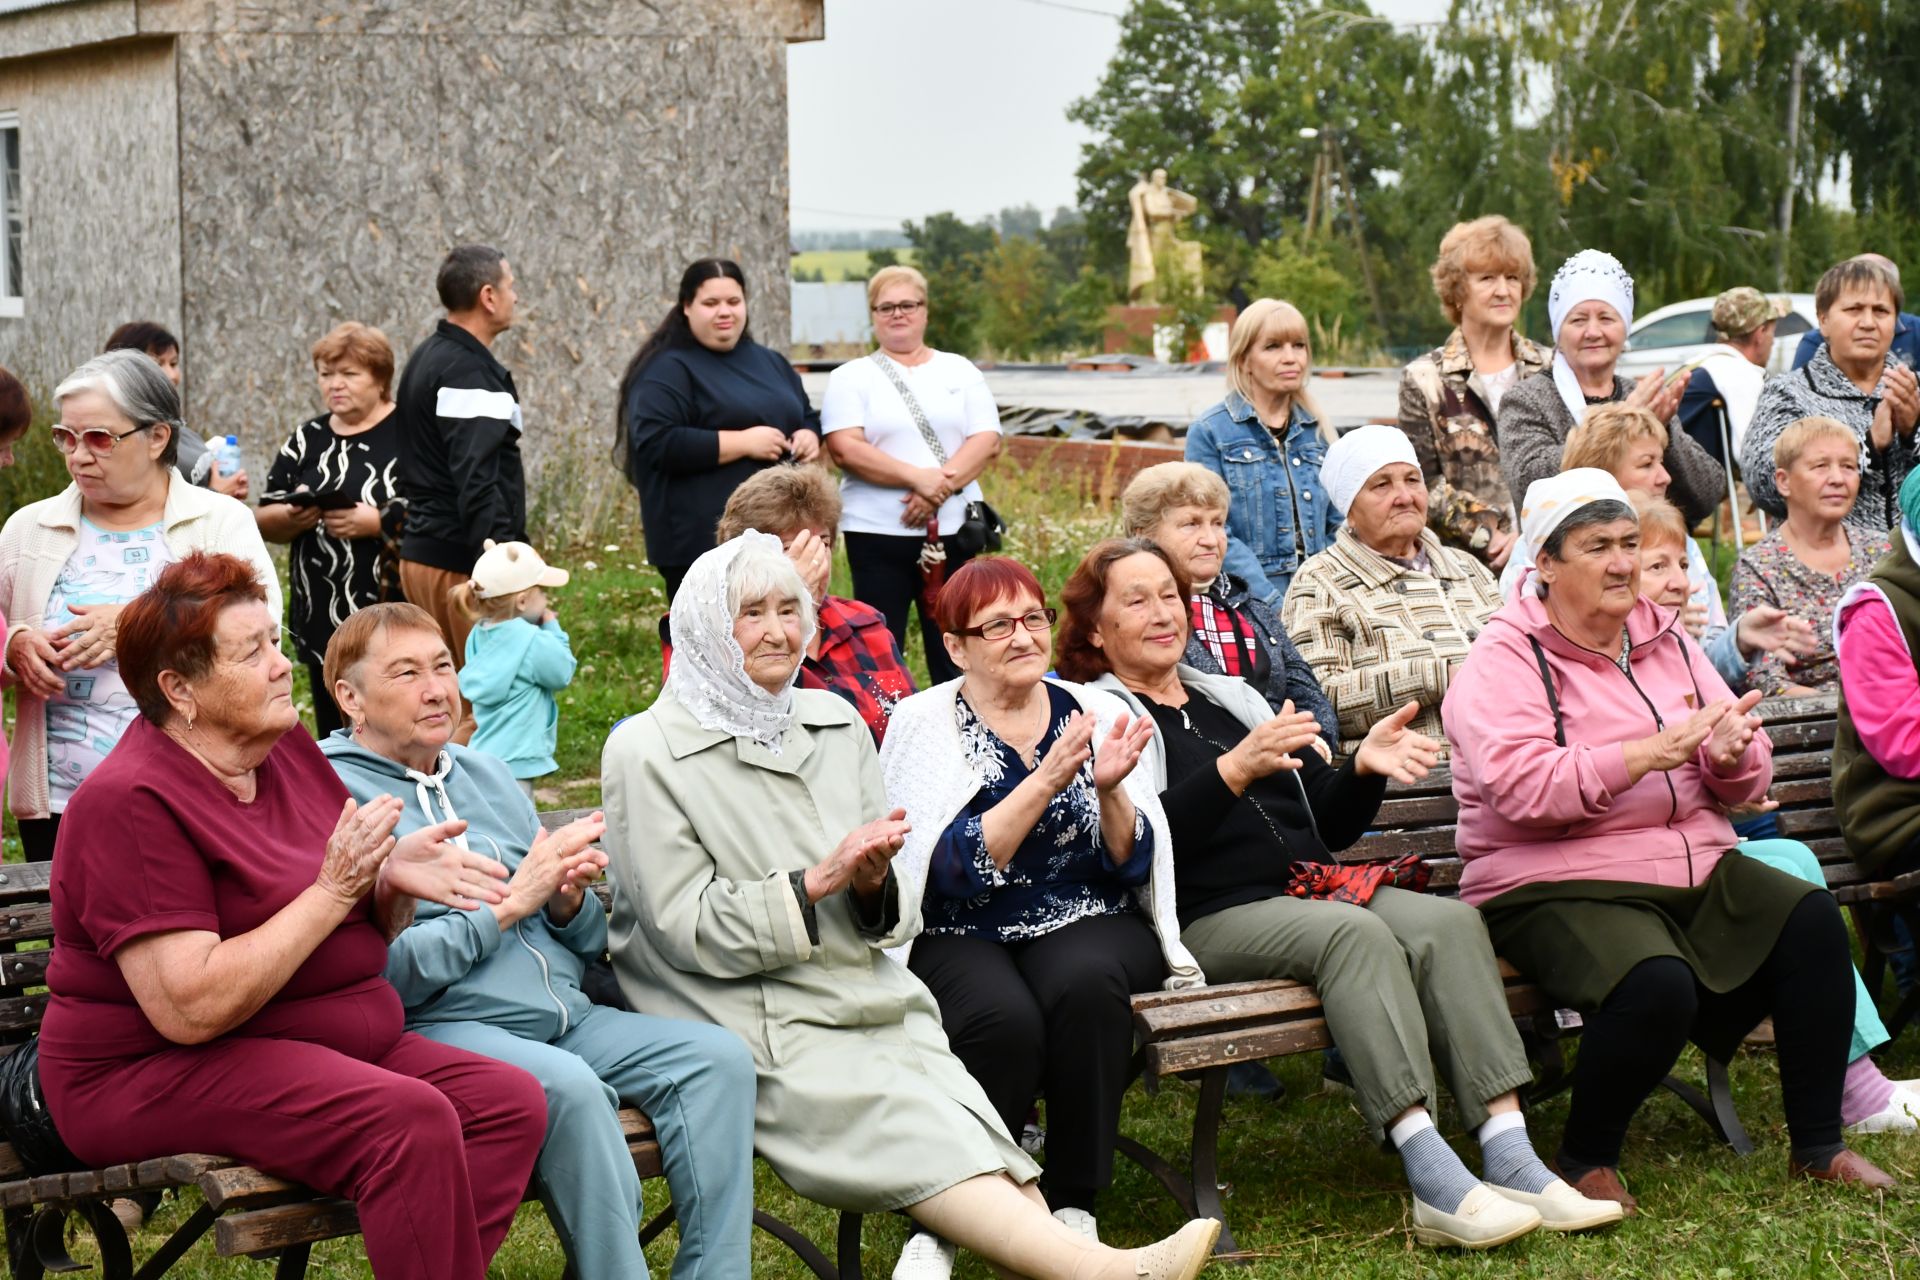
<point>226,452</point>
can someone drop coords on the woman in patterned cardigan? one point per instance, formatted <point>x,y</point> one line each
<point>1385,615</point>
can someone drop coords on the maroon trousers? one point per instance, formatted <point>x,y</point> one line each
<point>433,1144</point>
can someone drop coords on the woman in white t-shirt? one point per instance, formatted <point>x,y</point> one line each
<point>896,482</point>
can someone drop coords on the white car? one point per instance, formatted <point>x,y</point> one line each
<point>1673,335</point>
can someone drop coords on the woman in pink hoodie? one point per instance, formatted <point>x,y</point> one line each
<point>1595,750</point>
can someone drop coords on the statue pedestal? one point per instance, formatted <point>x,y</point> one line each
<point>1141,327</point>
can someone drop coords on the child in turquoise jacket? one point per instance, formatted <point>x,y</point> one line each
<point>517,659</point>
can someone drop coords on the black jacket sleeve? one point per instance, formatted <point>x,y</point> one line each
<point>661,434</point>
<point>1195,807</point>
<point>1344,803</point>
<point>480,425</point>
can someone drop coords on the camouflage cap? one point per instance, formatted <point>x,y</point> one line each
<point>1738,312</point>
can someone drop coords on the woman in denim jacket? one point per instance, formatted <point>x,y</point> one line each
<point>1280,515</point>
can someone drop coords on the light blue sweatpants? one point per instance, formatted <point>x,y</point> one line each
<point>1799,862</point>
<point>695,1080</point>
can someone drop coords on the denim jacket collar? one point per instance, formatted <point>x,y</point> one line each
<point>1241,410</point>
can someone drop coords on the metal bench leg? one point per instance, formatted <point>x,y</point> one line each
<point>1206,1155</point>
<point>184,1238</point>
<point>293,1262</point>
<point>1715,1107</point>
<point>116,1254</point>
<point>650,1229</point>
<point>848,1245</point>
<point>804,1249</point>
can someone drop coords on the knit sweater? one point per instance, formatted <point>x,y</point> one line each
<point>1819,390</point>
<point>1533,429</point>
<point>34,546</point>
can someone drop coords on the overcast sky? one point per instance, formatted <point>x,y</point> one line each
<point>909,107</point>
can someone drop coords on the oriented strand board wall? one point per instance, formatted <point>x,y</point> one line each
<point>326,171</point>
<point>99,184</point>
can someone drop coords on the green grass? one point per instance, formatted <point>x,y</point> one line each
<point>839,264</point>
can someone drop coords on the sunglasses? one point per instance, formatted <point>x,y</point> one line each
<point>1001,628</point>
<point>98,440</point>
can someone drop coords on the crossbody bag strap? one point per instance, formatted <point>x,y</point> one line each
<point>1553,698</point>
<point>914,410</point>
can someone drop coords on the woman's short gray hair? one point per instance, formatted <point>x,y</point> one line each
<point>138,389</point>
<point>1605,511</point>
<point>761,569</point>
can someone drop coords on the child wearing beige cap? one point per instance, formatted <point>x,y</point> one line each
<point>517,658</point>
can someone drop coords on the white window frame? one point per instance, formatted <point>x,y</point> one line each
<point>12,303</point>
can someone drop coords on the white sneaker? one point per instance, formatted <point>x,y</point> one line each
<point>926,1257</point>
<point>1079,1220</point>
<point>1901,1115</point>
<point>1561,1208</point>
<point>1484,1219</point>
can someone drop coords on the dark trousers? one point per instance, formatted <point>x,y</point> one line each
<point>326,715</point>
<point>886,575</point>
<point>672,573</point>
<point>1632,1040</point>
<point>1050,1015</point>
<point>37,836</point>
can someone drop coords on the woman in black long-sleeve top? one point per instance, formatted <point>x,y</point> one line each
<point>1402,977</point>
<point>702,407</point>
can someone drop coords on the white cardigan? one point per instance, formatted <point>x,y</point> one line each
<point>35,545</point>
<point>926,773</point>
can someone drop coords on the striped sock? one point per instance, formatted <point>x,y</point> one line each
<point>1433,1170</point>
<point>1507,1157</point>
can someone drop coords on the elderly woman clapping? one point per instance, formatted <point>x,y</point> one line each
<point>70,564</point>
<point>1183,507</point>
<point>1038,849</point>
<point>1852,378</point>
<point>752,844</point>
<point>507,983</point>
<point>1386,613</point>
<point>1402,976</point>
<point>1594,751</point>
<point>1590,304</point>
<point>221,916</point>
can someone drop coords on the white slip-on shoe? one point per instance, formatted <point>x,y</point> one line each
<point>1181,1255</point>
<point>926,1257</point>
<point>1484,1219</point>
<point>1079,1220</point>
<point>1561,1208</point>
<point>1900,1115</point>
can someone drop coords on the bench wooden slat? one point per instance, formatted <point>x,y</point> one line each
<point>22,1013</point>
<point>257,1231</point>
<point>24,881</point>
<point>24,968</point>
<point>26,921</point>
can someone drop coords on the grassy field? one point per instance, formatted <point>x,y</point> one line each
<point>838,264</point>
<point>1310,1195</point>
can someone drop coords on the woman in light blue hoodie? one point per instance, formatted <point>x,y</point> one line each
<point>517,658</point>
<point>506,982</point>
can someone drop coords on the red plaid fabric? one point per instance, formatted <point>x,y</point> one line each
<point>859,661</point>
<point>1356,882</point>
<point>1227,636</point>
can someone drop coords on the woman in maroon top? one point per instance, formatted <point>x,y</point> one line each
<point>221,917</point>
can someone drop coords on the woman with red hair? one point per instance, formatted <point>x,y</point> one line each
<point>1034,851</point>
<point>227,985</point>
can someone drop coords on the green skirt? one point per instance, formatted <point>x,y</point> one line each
<point>1577,938</point>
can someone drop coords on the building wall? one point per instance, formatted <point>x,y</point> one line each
<point>327,165</point>
<point>100,188</point>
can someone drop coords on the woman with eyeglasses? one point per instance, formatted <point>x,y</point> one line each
<point>1035,852</point>
<point>913,429</point>
<point>70,563</point>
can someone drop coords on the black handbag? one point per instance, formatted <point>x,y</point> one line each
<point>24,1115</point>
<point>981,528</point>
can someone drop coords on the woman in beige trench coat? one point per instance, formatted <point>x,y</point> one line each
<point>751,846</point>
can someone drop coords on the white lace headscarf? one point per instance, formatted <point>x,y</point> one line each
<point>709,672</point>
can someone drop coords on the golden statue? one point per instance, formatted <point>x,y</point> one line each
<point>1151,243</point>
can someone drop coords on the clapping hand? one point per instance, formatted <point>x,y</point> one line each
<point>1767,628</point>
<point>1693,616</point>
<point>1658,396</point>
<point>861,858</point>
<point>554,874</point>
<point>1061,765</point>
<point>1394,751</point>
<point>361,841</point>
<point>427,864</point>
<point>1727,744</point>
<point>1269,747</point>
<point>1121,751</point>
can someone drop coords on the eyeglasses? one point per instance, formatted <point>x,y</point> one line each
<point>1001,628</point>
<point>98,440</point>
<point>888,310</point>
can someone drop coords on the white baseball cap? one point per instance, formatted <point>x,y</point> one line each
<point>508,568</point>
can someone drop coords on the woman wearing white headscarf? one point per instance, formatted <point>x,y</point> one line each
<point>1385,615</point>
<point>1590,305</point>
<point>751,847</point>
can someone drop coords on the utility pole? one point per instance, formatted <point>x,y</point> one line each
<point>1359,240</point>
<point>1783,246</point>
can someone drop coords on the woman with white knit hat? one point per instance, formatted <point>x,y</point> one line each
<point>1386,614</point>
<point>1590,305</point>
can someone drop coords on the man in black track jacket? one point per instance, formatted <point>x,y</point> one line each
<point>460,469</point>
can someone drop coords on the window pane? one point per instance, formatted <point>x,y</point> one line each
<point>1675,331</point>
<point>1791,323</point>
<point>12,215</point>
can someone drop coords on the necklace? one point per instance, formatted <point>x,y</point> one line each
<point>1279,840</point>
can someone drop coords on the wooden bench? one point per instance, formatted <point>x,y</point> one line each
<point>251,1214</point>
<point>1205,1031</point>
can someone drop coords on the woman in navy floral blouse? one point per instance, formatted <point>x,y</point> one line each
<point>1036,847</point>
